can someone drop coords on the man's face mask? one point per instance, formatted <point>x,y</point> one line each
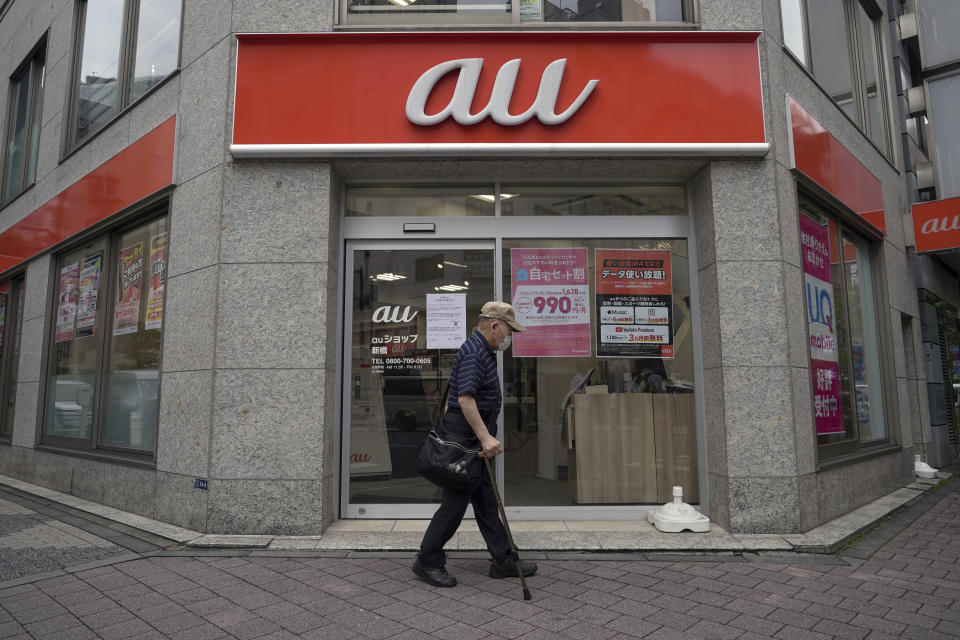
<point>507,340</point>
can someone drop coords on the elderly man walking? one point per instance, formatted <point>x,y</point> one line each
<point>473,404</point>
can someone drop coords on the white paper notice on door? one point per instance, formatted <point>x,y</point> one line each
<point>446,320</point>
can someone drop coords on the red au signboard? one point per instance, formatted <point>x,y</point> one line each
<point>936,225</point>
<point>445,93</point>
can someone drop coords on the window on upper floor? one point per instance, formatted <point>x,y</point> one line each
<point>512,12</point>
<point>839,42</point>
<point>23,126</point>
<point>123,49</point>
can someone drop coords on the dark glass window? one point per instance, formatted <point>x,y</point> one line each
<point>514,11</point>
<point>11,326</point>
<point>125,47</point>
<point>23,127</point>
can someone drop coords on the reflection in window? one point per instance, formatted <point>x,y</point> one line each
<point>791,15</point>
<point>99,65</point>
<point>107,82</point>
<point>830,52</point>
<point>158,40</point>
<point>876,126</point>
<point>938,24</point>
<point>23,128</point>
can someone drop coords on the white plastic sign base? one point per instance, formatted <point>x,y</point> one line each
<point>678,516</point>
<point>922,469</point>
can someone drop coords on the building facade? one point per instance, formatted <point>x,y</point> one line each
<point>240,243</point>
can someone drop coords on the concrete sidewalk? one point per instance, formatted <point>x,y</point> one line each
<point>590,536</point>
<point>900,579</point>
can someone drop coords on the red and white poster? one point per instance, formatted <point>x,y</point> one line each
<point>130,285</point>
<point>89,291</point>
<point>67,302</point>
<point>634,303</point>
<point>551,295</point>
<point>824,354</point>
<point>158,281</point>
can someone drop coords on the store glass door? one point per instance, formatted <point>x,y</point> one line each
<point>412,307</point>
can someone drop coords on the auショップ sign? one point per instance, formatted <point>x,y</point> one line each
<point>634,303</point>
<point>824,353</point>
<point>500,93</point>
<point>936,225</point>
<point>551,296</point>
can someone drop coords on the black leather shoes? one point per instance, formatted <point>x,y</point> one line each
<point>436,577</point>
<point>508,568</point>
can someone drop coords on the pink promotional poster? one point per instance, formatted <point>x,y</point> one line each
<point>824,354</point>
<point>551,295</point>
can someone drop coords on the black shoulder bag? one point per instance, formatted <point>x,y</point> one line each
<point>448,457</point>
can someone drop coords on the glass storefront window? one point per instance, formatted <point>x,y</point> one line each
<point>844,335</point>
<point>103,385</point>
<point>130,403</point>
<point>626,434</point>
<point>864,344</point>
<point>599,394</point>
<point>414,201</point>
<point>11,326</point>
<point>622,200</point>
<point>73,380</point>
<point>396,373</point>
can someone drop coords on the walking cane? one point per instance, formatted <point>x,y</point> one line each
<point>503,516</point>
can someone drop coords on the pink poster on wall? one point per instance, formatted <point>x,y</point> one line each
<point>824,354</point>
<point>551,295</point>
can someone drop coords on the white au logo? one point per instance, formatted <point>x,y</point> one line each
<point>938,225</point>
<point>393,315</point>
<point>498,108</point>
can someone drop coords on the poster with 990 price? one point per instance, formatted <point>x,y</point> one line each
<point>551,295</point>
<point>634,303</point>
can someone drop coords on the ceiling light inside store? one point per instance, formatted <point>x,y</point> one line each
<point>388,277</point>
<point>400,3</point>
<point>451,287</point>
<point>489,198</point>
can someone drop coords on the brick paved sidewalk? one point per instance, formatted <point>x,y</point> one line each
<point>909,588</point>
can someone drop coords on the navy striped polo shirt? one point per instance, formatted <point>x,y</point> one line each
<point>475,372</point>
